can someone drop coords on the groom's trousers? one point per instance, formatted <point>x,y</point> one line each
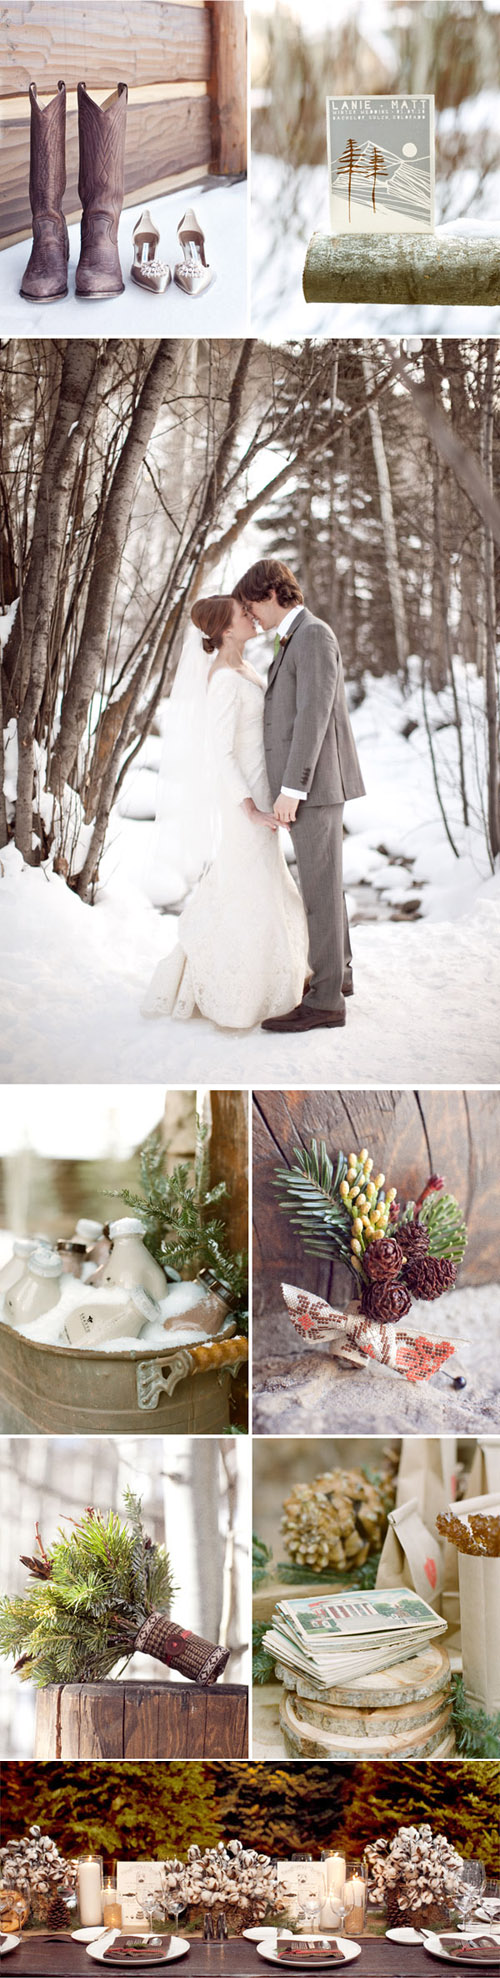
<point>317,842</point>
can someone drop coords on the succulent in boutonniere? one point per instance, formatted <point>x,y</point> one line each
<point>96,1595</point>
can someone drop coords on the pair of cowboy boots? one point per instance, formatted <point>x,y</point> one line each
<point>101,131</point>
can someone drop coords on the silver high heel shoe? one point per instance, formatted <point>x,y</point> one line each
<point>193,273</point>
<point>146,270</point>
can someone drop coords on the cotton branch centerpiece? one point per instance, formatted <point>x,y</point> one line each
<point>416,1875</point>
<point>234,1879</point>
<point>38,1880</point>
<point>94,1597</point>
<point>395,1252</point>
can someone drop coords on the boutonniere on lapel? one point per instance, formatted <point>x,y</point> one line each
<point>395,1252</point>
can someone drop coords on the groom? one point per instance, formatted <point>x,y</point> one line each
<point>312,767</point>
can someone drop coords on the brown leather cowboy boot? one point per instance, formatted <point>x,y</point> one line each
<point>100,185</point>
<point>46,275</point>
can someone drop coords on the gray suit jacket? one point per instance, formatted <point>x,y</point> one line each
<point>308,737</point>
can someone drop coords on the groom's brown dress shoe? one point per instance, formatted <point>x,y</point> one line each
<point>306,1017</point>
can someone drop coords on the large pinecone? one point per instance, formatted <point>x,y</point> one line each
<point>338,1518</point>
<point>385,1302</point>
<point>428,1277</point>
<point>58,1916</point>
<point>414,1239</point>
<point>383,1259</point>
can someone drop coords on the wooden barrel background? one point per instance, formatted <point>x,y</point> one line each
<point>185,65</point>
<point>410,1135</point>
<point>141,1720</point>
<point>57,1391</point>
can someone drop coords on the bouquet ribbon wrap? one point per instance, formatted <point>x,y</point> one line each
<point>201,1660</point>
<point>415,1355</point>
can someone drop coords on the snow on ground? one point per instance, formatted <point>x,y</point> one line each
<point>425,1009</point>
<point>300,201</point>
<point>220,311</point>
<point>308,1392</point>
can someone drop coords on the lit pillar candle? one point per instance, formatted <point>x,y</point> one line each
<point>111,1907</point>
<point>90,1889</point>
<point>335,1873</point>
<point>359,1891</point>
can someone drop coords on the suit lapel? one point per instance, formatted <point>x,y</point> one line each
<point>274,669</point>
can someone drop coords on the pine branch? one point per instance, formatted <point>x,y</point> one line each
<point>318,1212</point>
<point>105,1578</point>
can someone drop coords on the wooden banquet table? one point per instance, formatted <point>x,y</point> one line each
<point>59,1957</point>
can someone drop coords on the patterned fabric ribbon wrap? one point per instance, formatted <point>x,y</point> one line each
<point>201,1660</point>
<point>412,1354</point>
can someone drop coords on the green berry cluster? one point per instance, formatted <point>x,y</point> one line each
<point>368,1203</point>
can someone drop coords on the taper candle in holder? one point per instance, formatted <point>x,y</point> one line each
<point>90,1889</point>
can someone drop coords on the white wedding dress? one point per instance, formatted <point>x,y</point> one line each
<point>243,945</point>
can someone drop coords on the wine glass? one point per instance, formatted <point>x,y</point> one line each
<point>468,1890</point>
<point>147,1896</point>
<point>309,1896</point>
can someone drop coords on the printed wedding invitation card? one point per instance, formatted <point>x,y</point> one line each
<point>381,164</point>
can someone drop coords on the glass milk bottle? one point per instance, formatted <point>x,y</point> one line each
<point>72,1257</point>
<point>39,1290</point>
<point>96,1242</point>
<point>130,1263</point>
<point>23,1248</point>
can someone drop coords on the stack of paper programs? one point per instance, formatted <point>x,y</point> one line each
<point>334,1637</point>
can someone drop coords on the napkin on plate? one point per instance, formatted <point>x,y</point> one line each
<point>480,1948</point>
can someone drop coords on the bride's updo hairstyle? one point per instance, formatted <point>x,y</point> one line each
<point>213,617</point>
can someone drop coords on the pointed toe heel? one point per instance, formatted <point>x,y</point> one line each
<point>193,273</point>
<point>147,270</point>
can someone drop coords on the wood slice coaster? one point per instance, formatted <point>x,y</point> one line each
<point>305,1741</point>
<point>420,1676</point>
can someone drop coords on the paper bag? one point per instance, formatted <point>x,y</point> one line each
<point>427,1471</point>
<point>484,1474</point>
<point>411,1555</point>
<point>479,1583</point>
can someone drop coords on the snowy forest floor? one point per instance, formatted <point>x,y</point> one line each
<point>425,1009</point>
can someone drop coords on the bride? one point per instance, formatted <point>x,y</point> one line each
<point>242,945</point>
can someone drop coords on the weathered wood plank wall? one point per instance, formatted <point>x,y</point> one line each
<point>409,1135</point>
<point>185,65</point>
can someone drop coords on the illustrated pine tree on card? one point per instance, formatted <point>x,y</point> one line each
<point>376,169</point>
<point>352,160</point>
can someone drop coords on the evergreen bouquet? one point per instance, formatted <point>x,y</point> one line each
<point>395,1252</point>
<point>94,1597</point>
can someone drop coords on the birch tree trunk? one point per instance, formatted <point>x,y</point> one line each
<point>28,651</point>
<point>92,647</point>
<point>489,573</point>
<point>387,515</point>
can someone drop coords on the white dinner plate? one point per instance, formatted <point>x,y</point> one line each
<point>345,1944</point>
<point>258,1931</point>
<point>9,1944</point>
<point>89,1935</point>
<point>432,1943</point>
<point>405,1935</point>
<point>178,1947</point>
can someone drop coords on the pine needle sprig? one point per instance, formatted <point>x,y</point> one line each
<point>312,1186</point>
<point>445,1225</point>
<point>180,1233</point>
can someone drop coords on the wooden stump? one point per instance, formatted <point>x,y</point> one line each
<point>141,1720</point>
<point>442,269</point>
